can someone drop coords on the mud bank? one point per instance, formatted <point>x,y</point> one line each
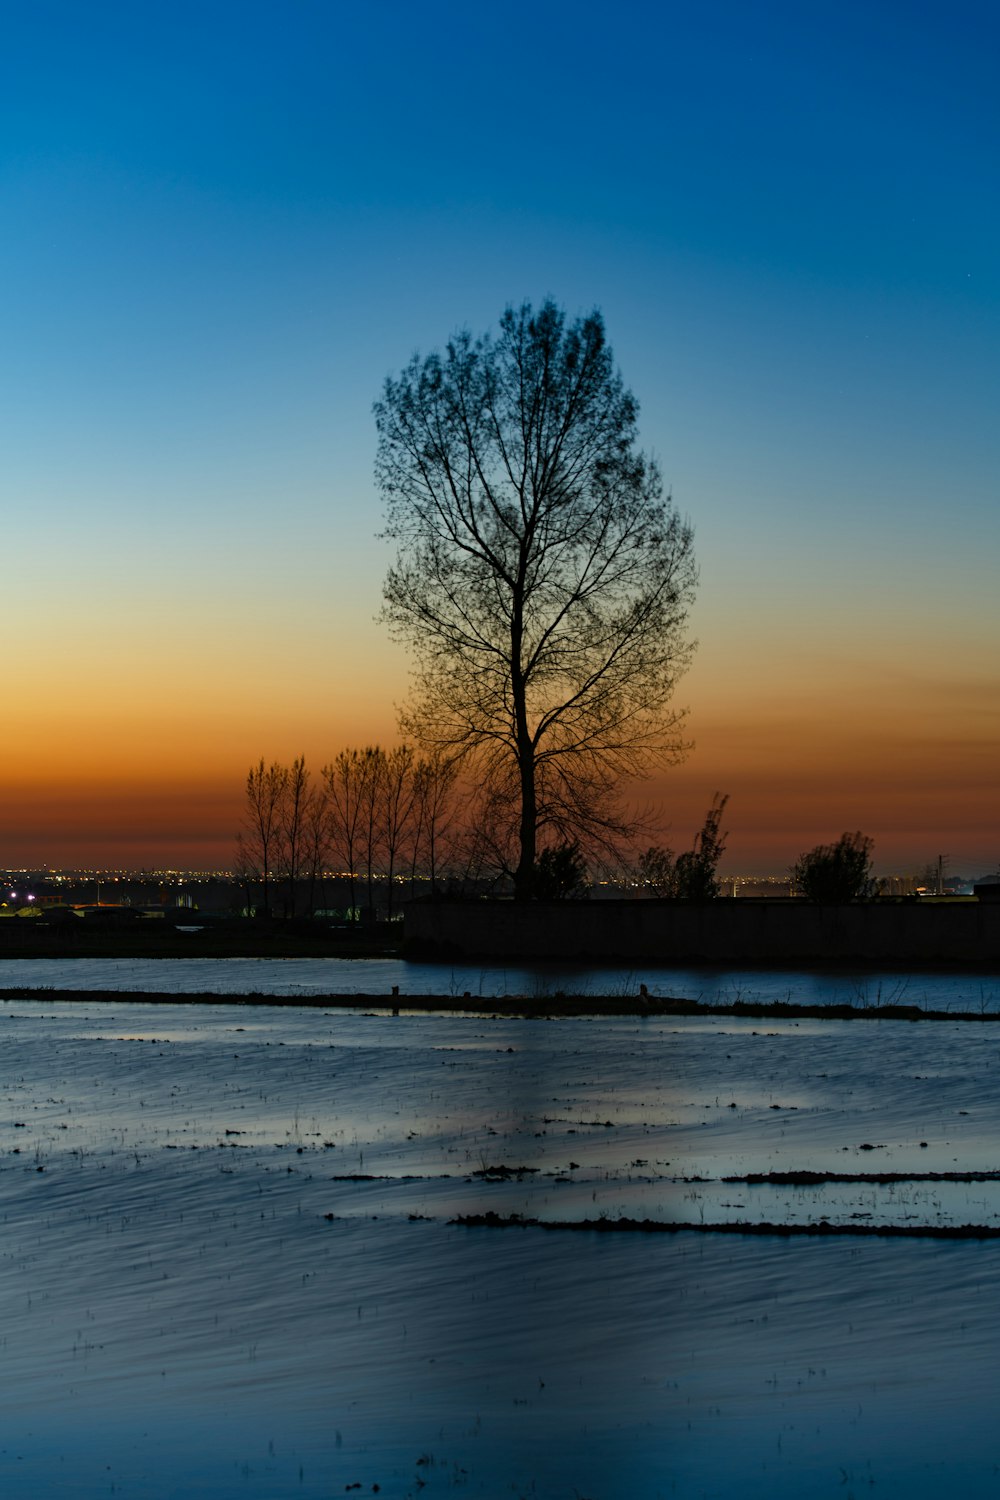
<point>822,1228</point>
<point>521,1006</point>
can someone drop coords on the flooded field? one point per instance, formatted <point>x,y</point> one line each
<point>307,977</point>
<point>230,1263</point>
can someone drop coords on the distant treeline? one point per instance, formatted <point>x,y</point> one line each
<point>372,815</point>
<point>382,819</point>
<point>385,821</point>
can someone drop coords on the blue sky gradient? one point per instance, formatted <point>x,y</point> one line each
<point>222,226</point>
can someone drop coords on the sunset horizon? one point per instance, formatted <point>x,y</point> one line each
<point>216,254</point>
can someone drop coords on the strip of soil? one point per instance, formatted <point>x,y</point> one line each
<point>822,1229</point>
<point>549,1006</point>
<point>809,1179</point>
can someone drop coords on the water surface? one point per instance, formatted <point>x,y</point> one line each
<point>377,976</point>
<point>228,1265</point>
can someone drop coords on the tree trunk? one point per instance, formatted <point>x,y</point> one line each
<point>524,875</point>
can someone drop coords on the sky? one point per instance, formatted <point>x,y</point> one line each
<point>222,226</point>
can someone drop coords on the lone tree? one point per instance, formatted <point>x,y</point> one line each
<point>542,579</point>
<point>839,872</point>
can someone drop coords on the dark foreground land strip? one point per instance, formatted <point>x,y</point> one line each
<point>821,1230</point>
<point>817,1179</point>
<point>538,1007</point>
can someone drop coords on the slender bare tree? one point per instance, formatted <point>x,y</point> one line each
<point>398,794</point>
<point>355,784</point>
<point>435,806</point>
<point>293,813</point>
<point>246,871</point>
<point>261,836</point>
<point>372,818</point>
<point>316,841</point>
<point>542,578</point>
<point>345,780</point>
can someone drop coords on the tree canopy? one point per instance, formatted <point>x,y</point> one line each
<point>542,579</point>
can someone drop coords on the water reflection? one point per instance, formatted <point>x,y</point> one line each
<point>229,1265</point>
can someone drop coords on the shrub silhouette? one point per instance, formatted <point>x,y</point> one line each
<point>837,872</point>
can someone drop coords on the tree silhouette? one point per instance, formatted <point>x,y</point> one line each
<point>259,844</point>
<point>695,876</point>
<point>396,814</point>
<point>352,799</point>
<point>692,875</point>
<point>435,810</point>
<point>656,870</point>
<point>542,578</point>
<point>561,871</point>
<point>837,872</point>
<point>293,817</point>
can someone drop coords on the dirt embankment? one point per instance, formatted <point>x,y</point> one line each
<point>822,1229</point>
<point>534,1008</point>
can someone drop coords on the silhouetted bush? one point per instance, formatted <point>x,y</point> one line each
<point>839,872</point>
<point>560,871</point>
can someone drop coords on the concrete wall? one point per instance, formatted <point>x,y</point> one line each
<point>720,932</point>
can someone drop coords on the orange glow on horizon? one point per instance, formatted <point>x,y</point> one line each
<point>156,765</point>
